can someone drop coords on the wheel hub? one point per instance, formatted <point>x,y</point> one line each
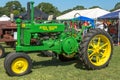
<point>97,50</point>
<point>19,65</point>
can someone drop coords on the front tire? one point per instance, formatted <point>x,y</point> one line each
<point>96,49</point>
<point>17,64</point>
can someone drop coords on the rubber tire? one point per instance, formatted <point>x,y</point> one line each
<point>86,39</point>
<point>65,59</point>
<point>3,51</point>
<point>7,58</point>
<point>11,57</point>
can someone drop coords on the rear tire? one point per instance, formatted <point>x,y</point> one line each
<point>96,49</point>
<point>2,51</point>
<point>17,64</point>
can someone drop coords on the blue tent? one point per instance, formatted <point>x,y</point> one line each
<point>112,15</point>
<point>82,18</point>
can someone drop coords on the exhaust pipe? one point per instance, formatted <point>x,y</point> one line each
<point>28,11</point>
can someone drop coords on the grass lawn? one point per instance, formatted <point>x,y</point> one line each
<point>44,68</point>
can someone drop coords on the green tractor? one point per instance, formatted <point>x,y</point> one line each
<point>94,47</point>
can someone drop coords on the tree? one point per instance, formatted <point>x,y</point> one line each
<point>3,11</point>
<point>16,12</point>
<point>95,7</point>
<point>78,8</point>
<point>14,7</point>
<point>117,6</point>
<point>66,11</point>
<point>48,8</point>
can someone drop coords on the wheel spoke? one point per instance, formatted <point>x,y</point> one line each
<point>104,49</point>
<point>103,45</point>
<point>97,59</point>
<point>98,44</point>
<point>91,55</point>
<point>93,44</point>
<point>104,56</point>
<point>90,50</point>
<point>101,53</point>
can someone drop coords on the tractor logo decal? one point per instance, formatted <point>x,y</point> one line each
<point>23,25</point>
<point>48,28</point>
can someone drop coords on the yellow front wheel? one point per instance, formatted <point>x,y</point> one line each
<point>17,64</point>
<point>97,49</point>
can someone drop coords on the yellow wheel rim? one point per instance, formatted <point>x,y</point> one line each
<point>99,50</point>
<point>19,65</point>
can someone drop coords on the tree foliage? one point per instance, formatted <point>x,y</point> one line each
<point>1,11</point>
<point>16,8</point>
<point>117,6</point>
<point>48,8</point>
<point>66,11</point>
<point>95,7</point>
<point>12,7</point>
<point>78,7</point>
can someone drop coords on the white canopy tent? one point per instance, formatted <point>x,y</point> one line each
<point>4,18</point>
<point>90,13</point>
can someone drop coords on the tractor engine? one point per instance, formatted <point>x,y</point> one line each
<point>38,38</point>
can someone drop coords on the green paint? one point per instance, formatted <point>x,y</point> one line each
<point>33,36</point>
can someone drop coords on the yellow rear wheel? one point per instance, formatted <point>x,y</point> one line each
<point>97,48</point>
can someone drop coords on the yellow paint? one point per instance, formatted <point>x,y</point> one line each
<point>23,25</point>
<point>19,65</point>
<point>99,50</point>
<point>48,28</point>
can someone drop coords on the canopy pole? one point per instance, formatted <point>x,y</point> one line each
<point>119,29</point>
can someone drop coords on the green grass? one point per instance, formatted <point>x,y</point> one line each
<point>44,68</point>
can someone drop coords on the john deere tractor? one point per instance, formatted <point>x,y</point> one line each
<point>92,46</point>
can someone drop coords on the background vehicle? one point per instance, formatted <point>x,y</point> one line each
<point>7,35</point>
